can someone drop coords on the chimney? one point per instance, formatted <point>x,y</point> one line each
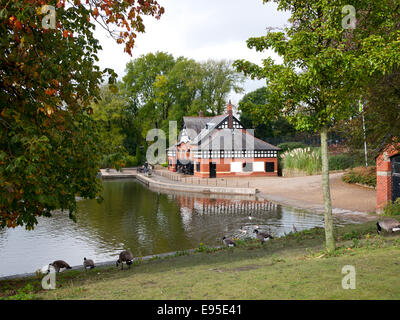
<point>201,113</point>
<point>230,113</point>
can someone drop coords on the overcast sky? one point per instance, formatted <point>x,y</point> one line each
<point>202,30</point>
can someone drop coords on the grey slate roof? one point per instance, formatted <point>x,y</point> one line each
<point>236,139</point>
<point>197,124</point>
<point>201,132</point>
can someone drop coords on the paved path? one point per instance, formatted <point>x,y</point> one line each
<point>309,190</point>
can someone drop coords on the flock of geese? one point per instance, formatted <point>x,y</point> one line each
<point>261,236</point>
<point>124,257</point>
<point>388,225</point>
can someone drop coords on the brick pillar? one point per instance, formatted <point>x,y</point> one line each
<point>383,181</point>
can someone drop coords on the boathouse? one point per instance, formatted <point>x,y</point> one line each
<point>220,146</point>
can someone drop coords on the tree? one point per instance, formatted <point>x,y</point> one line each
<point>218,81</point>
<point>254,114</point>
<point>109,113</point>
<point>161,88</point>
<point>380,116</point>
<point>324,68</point>
<point>138,86</point>
<point>50,150</point>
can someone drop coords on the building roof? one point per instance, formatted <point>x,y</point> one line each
<point>197,124</point>
<point>201,131</point>
<point>235,139</point>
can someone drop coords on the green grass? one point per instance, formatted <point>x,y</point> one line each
<point>392,208</point>
<point>293,267</point>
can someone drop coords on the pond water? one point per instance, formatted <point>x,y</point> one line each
<point>144,221</point>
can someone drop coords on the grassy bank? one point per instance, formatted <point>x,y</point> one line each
<point>294,267</point>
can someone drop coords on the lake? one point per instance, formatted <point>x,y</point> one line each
<point>144,221</point>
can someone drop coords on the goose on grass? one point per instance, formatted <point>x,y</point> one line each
<point>388,225</point>
<point>262,236</point>
<point>125,257</point>
<point>228,242</point>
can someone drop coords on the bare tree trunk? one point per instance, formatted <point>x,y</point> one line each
<point>329,237</point>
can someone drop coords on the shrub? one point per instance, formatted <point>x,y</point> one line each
<point>392,208</point>
<point>291,145</point>
<point>130,161</point>
<point>340,162</point>
<point>164,165</point>
<point>361,175</point>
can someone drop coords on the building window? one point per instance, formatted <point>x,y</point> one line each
<point>269,167</point>
<point>198,166</point>
<point>247,167</point>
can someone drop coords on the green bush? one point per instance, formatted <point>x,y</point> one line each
<point>130,161</point>
<point>285,146</point>
<point>164,165</point>
<point>392,208</point>
<point>340,162</point>
<point>362,175</point>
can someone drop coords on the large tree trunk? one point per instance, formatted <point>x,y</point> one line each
<point>330,239</point>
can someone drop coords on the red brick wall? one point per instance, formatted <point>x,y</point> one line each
<point>224,167</point>
<point>384,177</point>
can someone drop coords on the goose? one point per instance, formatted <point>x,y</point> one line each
<point>228,242</point>
<point>389,225</point>
<point>125,256</point>
<point>262,236</point>
<point>88,263</point>
<point>59,264</point>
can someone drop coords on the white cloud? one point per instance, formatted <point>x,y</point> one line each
<point>202,30</point>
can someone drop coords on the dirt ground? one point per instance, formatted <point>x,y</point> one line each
<point>306,192</point>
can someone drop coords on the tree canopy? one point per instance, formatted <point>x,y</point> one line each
<point>254,113</point>
<point>325,66</point>
<point>50,150</point>
<point>161,88</point>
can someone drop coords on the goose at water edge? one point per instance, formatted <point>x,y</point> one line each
<point>125,256</point>
<point>262,236</point>
<point>388,225</point>
<point>228,242</point>
<point>88,263</point>
<point>59,264</point>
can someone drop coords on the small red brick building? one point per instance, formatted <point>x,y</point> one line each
<point>220,146</point>
<point>387,176</point>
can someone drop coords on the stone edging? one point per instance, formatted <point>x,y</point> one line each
<point>196,189</point>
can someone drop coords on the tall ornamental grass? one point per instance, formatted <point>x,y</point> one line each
<point>309,161</point>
